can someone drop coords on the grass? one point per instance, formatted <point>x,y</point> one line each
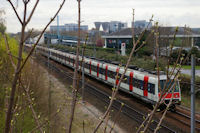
<point>187,67</point>
<point>186,101</point>
<point>22,119</point>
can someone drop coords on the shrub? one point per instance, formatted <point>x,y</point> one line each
<point>185,85</point>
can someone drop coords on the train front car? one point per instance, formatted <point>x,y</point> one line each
<point>172,91</point>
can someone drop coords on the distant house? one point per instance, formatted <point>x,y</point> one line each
<point>116,39</point>
<point>33,39</point>
<point>184,37</point>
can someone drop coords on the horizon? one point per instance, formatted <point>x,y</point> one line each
<point>167,13</point>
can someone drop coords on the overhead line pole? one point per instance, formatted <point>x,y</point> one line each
<point>192,89</point>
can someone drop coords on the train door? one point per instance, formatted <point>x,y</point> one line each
<point>101,71</point>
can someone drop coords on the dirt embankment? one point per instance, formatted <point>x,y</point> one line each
<point>86,115</point>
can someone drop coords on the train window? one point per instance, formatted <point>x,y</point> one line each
<point>72,60</point>
<point>151,88</point>
<point>136,83</point>
<point>94,68</point>
<point>170,84</point>
<point>111,74</point>
<point>101,71</point>
<point>141,85</point>
<point>87,66</point>
<point>126,79</point>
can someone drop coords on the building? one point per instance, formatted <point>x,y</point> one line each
<point>68,27</point>
<point>141,24</point>
<point>116,39</point>
<point>111,27</point>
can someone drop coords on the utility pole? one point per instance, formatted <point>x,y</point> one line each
<point>83,69</point>
<point>49,90</point>
<point>58,29</point>
<point>192,89</point>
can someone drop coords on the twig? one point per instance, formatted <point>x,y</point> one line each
<point>31,106</point>
<point>121,78</point>
<point>15,12</point>
<point>19,61</point>
<point>33,48</point>
<point>32,12</point>
<point>75,76</point>
<point>117,116</point>
<point>9,52</point>
<point>163,116</point>
<point>83,126</point>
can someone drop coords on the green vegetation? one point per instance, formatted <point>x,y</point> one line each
<point>185,90</point>
<point>189,67</point>
<point>22,118</point>
<point>141,58</point>
<point>186,101</point>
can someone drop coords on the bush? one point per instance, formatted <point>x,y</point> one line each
<point>185,85</point>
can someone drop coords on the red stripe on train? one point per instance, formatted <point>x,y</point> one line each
<point>131,82</point>
<point>145,86</point>
<point>106,73</point>
<point>73,62</point>
<point>169,95</point>
<point>90,66</point>
<point>69,59</point>
<point>117,79</point>
<point>98,70</point>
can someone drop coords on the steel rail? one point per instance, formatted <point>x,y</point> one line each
<point>127,110</point>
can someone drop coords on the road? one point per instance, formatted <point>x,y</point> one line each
<point>188,71</point>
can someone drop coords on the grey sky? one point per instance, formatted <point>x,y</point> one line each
<point>167,12</point>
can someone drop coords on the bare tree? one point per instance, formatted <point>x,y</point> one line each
<point>75,77</point>
<point>24,21</point>
<point>169,86</point>
<point>116,87</point>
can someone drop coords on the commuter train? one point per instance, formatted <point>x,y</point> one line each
<point>140,83</point>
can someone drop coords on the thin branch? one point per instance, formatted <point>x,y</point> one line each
<point>31,106</point>
<point>106,119</point>
<point>143,43</point>
<point>15,12</point>
<point>9,52</point>
<point>32,12</point>
<point>33,48</point>
<point>83,126</point>
<point>29,34</point>
<point>163,116</point>
<point>171,46</point>
<point>116,118</point>
<point>121,78</point>
<point>75,76</point>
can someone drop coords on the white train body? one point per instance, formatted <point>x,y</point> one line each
<point>140,84</point>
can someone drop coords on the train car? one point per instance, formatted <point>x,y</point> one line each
<point>141,84</point>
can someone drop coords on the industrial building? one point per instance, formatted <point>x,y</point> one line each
<point>68,27</point>
<point>141,24</point>
<point>111,27</point>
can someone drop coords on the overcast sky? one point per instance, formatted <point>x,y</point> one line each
<point>167,12</point>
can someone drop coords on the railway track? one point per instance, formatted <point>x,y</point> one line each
<point>126,110</point>
<point>185,120</point>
